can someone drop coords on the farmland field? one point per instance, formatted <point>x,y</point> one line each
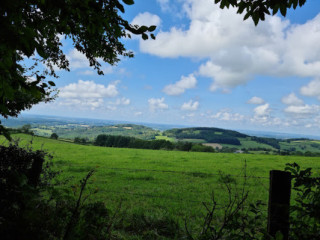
<point>163,182</point>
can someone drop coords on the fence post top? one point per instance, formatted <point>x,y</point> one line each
<point>279,172</point>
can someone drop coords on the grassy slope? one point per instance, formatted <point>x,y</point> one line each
<point>179,194</point>
<point>303,146</point>
<point>91,132</point>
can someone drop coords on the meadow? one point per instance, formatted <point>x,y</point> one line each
<point>163,182</point>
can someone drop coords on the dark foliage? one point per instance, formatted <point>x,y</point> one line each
<point>305,213</point>
<point>210,135</point>
<point>239,218</point>
<point>54,136</point>
<point>258,9</point>
<point>31,28</point>
<point>131,142</point>
<point>273,142</point>
<point>20,182</point>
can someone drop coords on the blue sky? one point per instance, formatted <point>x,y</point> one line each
<point>207,67</point>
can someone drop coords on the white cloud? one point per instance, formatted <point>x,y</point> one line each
<point>86,72</point>
<point>292,99</point>
<point>88,89</point>
<point>235,50</point>
<point>255,100</point>
<point>77,59</point>
<point>181,86</point>
<point>225,115</point>
<point>91,103</point>
<point>304,110</point>
<point>262,110</point>
<point>146,18</point>
<point>164,4</point>
<point>119,102</point>
<point>312,89</point>
<point>190,106</point>
<point>123,101</point>
<point>157,103</point>
<point>138,113</point>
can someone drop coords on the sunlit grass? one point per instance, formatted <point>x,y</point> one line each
<point>172,182</point>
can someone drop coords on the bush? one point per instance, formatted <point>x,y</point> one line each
<point>305,213</point>
<point>32,207</point>
<point>201,148</point>
<point>54,136</point>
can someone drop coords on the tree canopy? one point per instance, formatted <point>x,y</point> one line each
<point>257,9</point>
<point>33,29</point>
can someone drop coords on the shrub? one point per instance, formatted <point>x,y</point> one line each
<point>54,136</point>
<point>305,212</point>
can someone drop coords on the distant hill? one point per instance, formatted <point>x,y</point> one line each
<point>218,138</point>
<point>91,132</point>
<point>222,139</point>
<point>209,135</point>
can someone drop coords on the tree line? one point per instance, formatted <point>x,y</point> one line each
<point>131,142</point>
<point>210,135</point>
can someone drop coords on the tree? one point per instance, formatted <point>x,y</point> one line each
<point>26,128</point>
<point>54,136</point>
<point>259,8</point>
<point>31,29</point>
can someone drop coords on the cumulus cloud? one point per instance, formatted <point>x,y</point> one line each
<point>303,110</point>
<point>86,72</point>
<point>262,110</point>
<point>292,99</point>
<point>146,18</point>
<point>181,86</point>
<point>255,100</point>
<point>190,106</point>
<point>77,59</point>
<point>118,103</point>
<point>275,47</point>
<point>164,4</point>
<point>312,89</point>
<point>88,89</point>
<point>91,103</point>
<point>123,101</point>
<point>157,103</point>
<point>224,115</point>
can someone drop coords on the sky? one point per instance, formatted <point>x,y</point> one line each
<point>207,67</point>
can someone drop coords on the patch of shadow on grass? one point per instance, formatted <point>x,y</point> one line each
<point>198,174</point>
<point>112,173</point>
<point>79,169</point>
<point>141,178</point>
<point>60,162</point>
<point>184,159</point>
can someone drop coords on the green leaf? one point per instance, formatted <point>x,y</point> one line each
<point>120,7</point>
<point>283,9</point>
<point>275,9</point>
<point>255,18</point>
<point>128,2</point>
<point>247,16</point>
<point>152,28</point>
<point>52,83</point>
<point>279,236</point>
<point>144,36</point>
<point>143,29</point>
<point>302,2</point>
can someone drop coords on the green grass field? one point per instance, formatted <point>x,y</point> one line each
<point>166,138</point>
<point>164,182</point>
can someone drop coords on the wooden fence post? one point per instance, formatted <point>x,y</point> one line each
<point>279,203</point>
